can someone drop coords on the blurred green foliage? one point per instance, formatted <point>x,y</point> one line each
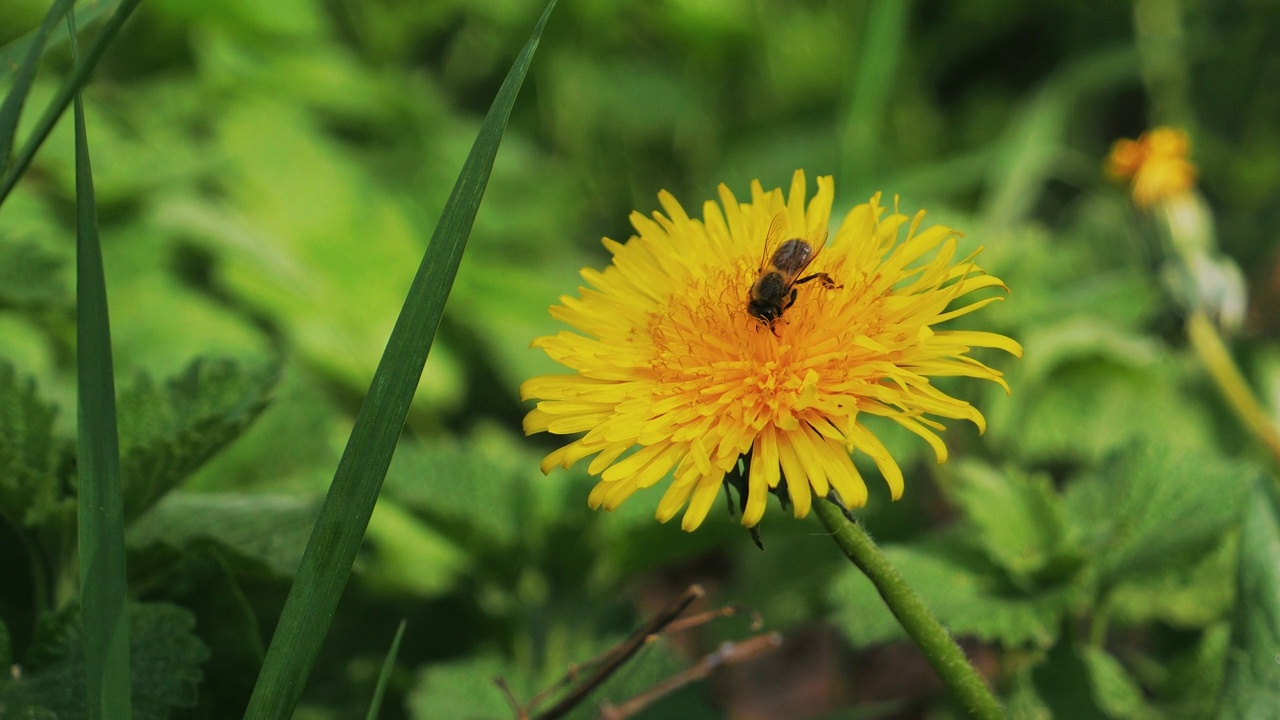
<point>267,176</point>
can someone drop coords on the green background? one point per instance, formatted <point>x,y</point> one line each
<point>267,176</point>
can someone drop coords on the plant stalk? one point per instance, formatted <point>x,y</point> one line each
<point>939,648</point>
<point>1215,357</point>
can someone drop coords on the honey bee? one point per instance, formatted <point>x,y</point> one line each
<point>781,267</point>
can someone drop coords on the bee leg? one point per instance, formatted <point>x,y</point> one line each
<point>791,300</point>
<point>825,278</point>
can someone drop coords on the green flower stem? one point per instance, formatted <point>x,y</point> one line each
<point>939,648</point>
<point>1215,356</point>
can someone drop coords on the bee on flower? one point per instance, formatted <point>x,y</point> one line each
<point>784,262</point>
<point>671,375</point>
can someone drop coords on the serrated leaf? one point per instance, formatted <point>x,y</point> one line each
<point>1114,690</point>
<point>1155,507</point>
<point>30,275</point>
<point>271,529</point>
<point>165,671</point>
<point>28,485</point>
<point>1253,674</point>
<point>168,431</point>
<point>966,594</point>
<point>1019,520</point>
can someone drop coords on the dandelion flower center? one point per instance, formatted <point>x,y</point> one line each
<point>673,375</point>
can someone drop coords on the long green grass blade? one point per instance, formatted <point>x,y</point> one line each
<point>13,102</point>
<point>384,675</point>
<point>13,54</point>
<point>340,527</point>
<point>101,504</point>
<point>883,39</point>
<point>70,87</point>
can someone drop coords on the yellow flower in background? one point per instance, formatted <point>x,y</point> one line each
<point>671,364</point>
<point>1155,165</point>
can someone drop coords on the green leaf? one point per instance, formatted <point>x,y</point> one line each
<point>1114,690</point>
<point>168,432</point>
<point>1064,685</point>
<point>1253,670</point>
<point>1084,339</point>
<point>326,564</point>
<point>28,484</point>
<point>269,529</point>
<point>66,93</point>
<point>1195,678</point>
<point>166,673</point>
<point>1019,520</point>
<point>478,488</point>
<point>966,595</point>
<point>337,300</point>
<point>11,108</point>
<point>465,689</point>
<point>461,690</point>
<point>293,445</point>
<point>30,276</point>
<point>100,527</point>
<point>1022,700</point>
<point>215,585</point>
<point>1090,389</point>
<point>1156,507</point>
<point>1182,596</point>
<point>408,555</point>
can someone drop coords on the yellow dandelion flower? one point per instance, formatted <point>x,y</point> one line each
<point>1155,165</point>
<point>671,367</point>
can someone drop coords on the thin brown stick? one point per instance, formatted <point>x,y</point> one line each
<point>703,618</point>
<point>622,652</point>
<point>505,687</point>
<point>729,653</point>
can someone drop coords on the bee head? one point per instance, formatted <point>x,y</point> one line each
<point>766,312</point>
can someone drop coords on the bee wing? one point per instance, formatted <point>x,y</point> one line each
<point>773,239</point>
<point>815,245</point>
<point>819,242</point>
